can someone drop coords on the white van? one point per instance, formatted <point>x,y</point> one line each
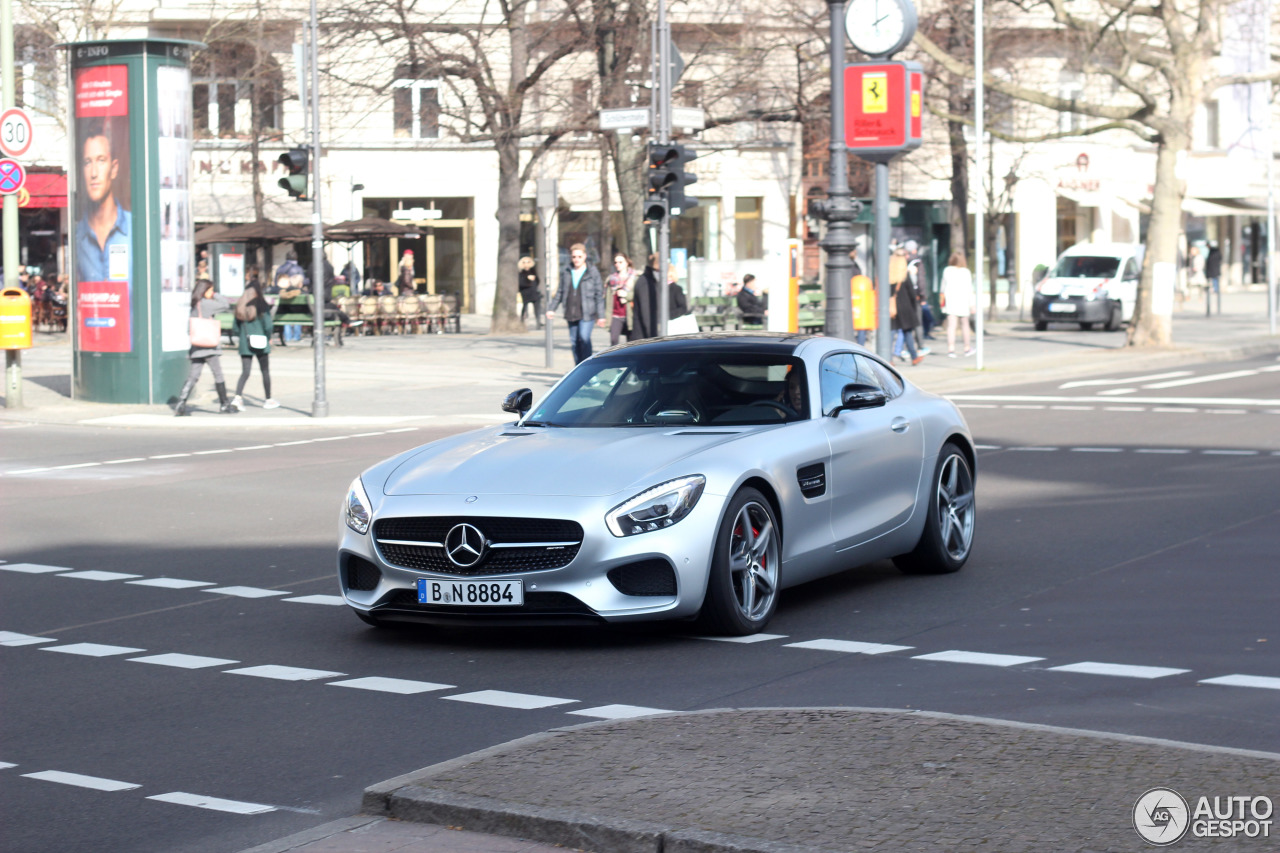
<point>1091,284</point>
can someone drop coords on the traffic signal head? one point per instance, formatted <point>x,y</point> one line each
<point>297,161</point>
<point>655,209</point>
<point>676,198</point>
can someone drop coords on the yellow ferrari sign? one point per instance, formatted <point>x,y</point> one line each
<point>875,92</point>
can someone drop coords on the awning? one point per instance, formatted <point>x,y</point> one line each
<point>1222,207</point>
<point>46,189</point>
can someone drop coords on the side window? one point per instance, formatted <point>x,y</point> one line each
<point>837,371</point>
<point>878,374</point>
<point>1131,270</point>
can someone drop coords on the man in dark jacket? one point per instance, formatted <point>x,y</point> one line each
<point>751,305</point>
<point>1213,267</point>
<point>581,292</point>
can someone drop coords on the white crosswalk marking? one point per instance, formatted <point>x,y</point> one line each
<point>981,658</point>
<point>184,661</point>
<point>750,638</point>
<point>284,673</point>
<point>848,646</point>
<point>402,686</point>
<point>4,765</point>
<point>503,699</point>
<point>212,803</point>
<point>33,569</point>
<point>1117,669</point>
<point>80,781</point>
<point>93,650</point>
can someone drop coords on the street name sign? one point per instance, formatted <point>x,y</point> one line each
<point>624,119</point>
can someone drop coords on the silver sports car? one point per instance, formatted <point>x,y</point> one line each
<point>666,479</point>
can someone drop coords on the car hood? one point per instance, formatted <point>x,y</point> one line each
<point>549,460</point>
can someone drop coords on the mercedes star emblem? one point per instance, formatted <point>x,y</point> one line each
<point>464,545</point>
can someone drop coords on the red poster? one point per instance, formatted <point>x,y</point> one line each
<point>917,84</point>
<point>102,91</point>
<point>103,309</point>
<point>875,105</point>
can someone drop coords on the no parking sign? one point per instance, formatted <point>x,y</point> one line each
<point>12,177</point>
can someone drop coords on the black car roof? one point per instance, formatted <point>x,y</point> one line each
<point>777,343</point>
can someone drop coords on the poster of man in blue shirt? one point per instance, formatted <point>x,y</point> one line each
<point>103,233</point>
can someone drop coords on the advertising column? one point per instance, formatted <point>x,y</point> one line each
<point>131,243</point>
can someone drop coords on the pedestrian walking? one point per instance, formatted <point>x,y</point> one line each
<point>581,292</point>
<point>253,339</point>
<point>1213,267</point>
<point>644,302</point>
<point>619,289</point>
<point>530,289</point>
<point>904,307</point>
<point>206,304</point>
<point>958,301</point>
<point>407,285</point>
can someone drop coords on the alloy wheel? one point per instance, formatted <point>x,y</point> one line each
<point>753,561</point>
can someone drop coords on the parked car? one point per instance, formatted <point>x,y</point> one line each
<point>1091,284</point>
<point>669,478</point>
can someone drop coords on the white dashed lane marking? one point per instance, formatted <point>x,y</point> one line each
<point>33,569</point>
<point>402,686</point>
<point>1262,681</point>
<point>1117,669</point>
<point>247,591</point>
<point>980,658</point>
<point>170,583</point>
<point>189,454</point>
<point>212,803</point>
<point>284,673</point>
<point>94,575</point>
<point>184,661</point>
<point>618,712</point>
<point>93,650</point>
<point>332,600</point>
<point>504,699</point>
<point>10,638</point>
<point>81,781</point>
<point>848,646</point>
<point>750,638</point>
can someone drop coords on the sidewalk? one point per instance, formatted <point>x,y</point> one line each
<point>803,780</point>
<point>462,378</point>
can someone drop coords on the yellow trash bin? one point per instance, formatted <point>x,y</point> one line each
<point>15,319</point>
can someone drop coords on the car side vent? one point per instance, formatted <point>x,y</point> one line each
<point>703,432</point>
<point>361,574</point>
<point>515,433</point>
<point>812,479</point>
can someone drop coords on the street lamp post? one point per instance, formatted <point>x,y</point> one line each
<point>840,210</point>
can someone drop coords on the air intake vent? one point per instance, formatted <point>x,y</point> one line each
<point>812,479</point>
<point>646,577</point>
<point>361,574</point>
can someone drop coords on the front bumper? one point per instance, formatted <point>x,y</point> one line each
<point>1070,309</point>
<point>581,591</point>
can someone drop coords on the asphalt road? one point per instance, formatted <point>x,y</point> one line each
<point>1125,563</point>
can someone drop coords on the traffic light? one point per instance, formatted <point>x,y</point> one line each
<point>297,161</point>
<point>677,201</point>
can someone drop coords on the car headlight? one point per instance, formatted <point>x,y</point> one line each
<point>656,508</point>
<point>357,507</point>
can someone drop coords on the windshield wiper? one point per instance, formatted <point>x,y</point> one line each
<point>539,424</point>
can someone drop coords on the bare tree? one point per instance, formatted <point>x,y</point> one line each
<point>1159,56</point>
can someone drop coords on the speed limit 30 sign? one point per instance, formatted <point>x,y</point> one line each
<point>15,132</point>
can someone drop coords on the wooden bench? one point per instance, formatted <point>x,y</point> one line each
<point>811,310</point>
<point>297,310</point>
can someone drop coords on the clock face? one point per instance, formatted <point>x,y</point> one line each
<point>879,27</point>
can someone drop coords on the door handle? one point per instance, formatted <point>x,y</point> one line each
<point>900,425</point>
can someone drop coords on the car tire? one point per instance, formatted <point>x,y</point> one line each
<point>951,519</point>
<point>1041,325</point>
<point>742,587</point>
<point>1113,319</point>
<point>1086,326</point>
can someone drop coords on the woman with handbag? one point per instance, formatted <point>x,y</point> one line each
<point>253,328</point>
<point>206,344</point>
<point>618,291</point>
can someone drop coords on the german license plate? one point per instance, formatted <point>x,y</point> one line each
<point>1062,307</point>
<point>471,593</point>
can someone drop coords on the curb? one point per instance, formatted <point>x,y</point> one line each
<point>412,798</point>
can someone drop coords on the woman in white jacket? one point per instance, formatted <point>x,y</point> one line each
<point>958,301</point>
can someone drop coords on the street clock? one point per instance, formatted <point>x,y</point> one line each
<point>880,28</point>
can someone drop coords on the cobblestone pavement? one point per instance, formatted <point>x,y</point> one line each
<point>772,780</point>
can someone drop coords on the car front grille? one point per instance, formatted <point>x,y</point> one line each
<point>361,574</point>
<point>512,544</point>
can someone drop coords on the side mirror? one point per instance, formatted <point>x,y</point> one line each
<point>858,395</point>
<point>518,402</point>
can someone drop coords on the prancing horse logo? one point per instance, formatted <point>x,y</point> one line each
<point>464,545</point>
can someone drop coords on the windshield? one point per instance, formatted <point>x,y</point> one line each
<point>638,388</point>
<point>1087,266</point>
